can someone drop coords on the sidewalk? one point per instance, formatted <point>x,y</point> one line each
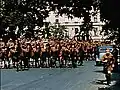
<point>115,84</point>
<point>116,77</point>
<point>100,83</point>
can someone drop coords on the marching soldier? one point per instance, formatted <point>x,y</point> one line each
<point>36,51</point>
<point>81,55</point>
<point>27,54</point>
<point>25,50</point>
<point>73,56</point>
<point>48,52</point>
<point>43,56</point>
<point>54,55</point>
<point>33,50</point>
<point>17,54</point>
<point>11,51</point>
<point>2,53</point>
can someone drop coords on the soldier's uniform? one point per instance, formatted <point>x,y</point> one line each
<point>108,61</point>
<point>115,53</point>
<point>2,52</point>
<point>11,54</point>
<point>27,55</point>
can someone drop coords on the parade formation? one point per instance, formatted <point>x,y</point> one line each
<point>31,52</point>
<point>24,53</point>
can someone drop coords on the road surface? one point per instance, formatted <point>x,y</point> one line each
<point>87,77</point>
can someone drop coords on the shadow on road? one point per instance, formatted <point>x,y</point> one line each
<point>104,88</point>
<point>99,71</point>
<point>99,82</point>
<point>102,82</point>
<point>116,86</point>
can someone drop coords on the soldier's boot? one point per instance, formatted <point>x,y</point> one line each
<point>17,66</point>
<point>108,78</point>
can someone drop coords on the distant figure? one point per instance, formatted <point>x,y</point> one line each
<point>115,54</point>
<point>82,54</point>
<point>96,52</point>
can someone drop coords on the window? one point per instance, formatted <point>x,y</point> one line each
<point>57,20</point>
<point>75,22</point>
<point>76,30</point>
<point>95,31</point>
<point>66,22</point>
<point>95,18</point>
<point>56,16</point>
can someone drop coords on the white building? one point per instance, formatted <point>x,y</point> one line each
<point>75,23</point>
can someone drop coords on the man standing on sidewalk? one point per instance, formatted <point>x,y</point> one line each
<point>108,62</point>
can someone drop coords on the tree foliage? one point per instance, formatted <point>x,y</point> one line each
<point>59,31</point>
<point>31,13</point>
<point>78,8</point>
<point>109,10</point>
<point>23,13</point>
<point>55,30</point>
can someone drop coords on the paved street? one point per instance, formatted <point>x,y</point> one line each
<point>87,77</point>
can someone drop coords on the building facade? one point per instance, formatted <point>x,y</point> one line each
<point>75,24</point>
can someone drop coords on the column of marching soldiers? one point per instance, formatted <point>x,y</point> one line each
<point>27,53</point>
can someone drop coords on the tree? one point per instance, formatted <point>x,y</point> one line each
<point>110,14</point>
<point>31,13</point>
<point>46,30</point>
<point>55,30</point>
<point>59,31</point>
<point>23,13</point>
<point>77,8</point>
<point>109,10</point>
